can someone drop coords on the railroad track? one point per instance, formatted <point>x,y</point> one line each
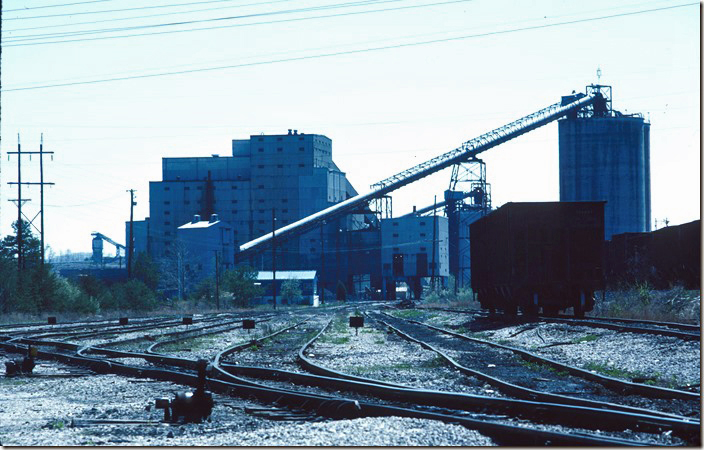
<point>65,329</point>
<point>112,329</point>
<point>679,330</point>
<point>497,408</point>
<point>180,370</point>
<point>526,375</point>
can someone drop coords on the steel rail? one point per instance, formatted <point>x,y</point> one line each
<point>217,361</point>
<point>65,328</point>
<point>339,408</point>
<point>192,334</point>
<point>616,384</point>
<point>600,323</point>
<point>540,411</point>
<point>115,328</point>
<point>75,323</point>
<point>467,150</point>
<point>190,364</point>
<point>534,395</point>
<point>106,331</point>
<point>588,414</point>
<point>329,406</point>
<point>180,332</point>
<point>687,331</point>
<point>311,367</point>
<point>677,325</point>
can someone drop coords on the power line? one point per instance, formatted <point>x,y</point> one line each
<point>217,19</point>
<point>119,10</point>
<point>26,8</point>
<point>116,19</point>
<point>349,52</point>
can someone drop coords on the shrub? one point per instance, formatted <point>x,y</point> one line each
<point>134,295</point>
<point>240,283</point>
<point>291,291</point>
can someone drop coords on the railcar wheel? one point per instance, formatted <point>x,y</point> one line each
<point>579,306</point>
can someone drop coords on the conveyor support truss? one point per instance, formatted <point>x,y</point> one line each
<point>465,151</point>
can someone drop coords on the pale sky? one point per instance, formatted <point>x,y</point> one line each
<point>391,82</point>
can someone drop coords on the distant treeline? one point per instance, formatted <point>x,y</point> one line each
<point>34,288</point>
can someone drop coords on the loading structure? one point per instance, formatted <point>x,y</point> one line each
<point>468,150</point>
<point>98,239</point>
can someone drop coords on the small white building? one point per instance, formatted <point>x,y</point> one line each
<point>203,242</point>
<point>308,283</point>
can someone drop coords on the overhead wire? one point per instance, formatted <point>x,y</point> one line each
<point>27,8</point>
<point>117,19</point>
<point>351,52</point>
<point>320,48</point>
<point>137,8</point>
<point>352,4</point>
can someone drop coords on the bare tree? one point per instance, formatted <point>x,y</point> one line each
<point>176,270</point>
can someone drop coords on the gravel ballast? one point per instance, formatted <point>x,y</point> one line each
<point>39,412</point>
<point>377,354</point>
<point>668,360</point>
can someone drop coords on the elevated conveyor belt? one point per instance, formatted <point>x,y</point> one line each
<point>467,150</point>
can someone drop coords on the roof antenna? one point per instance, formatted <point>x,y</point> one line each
<point>598,75</point>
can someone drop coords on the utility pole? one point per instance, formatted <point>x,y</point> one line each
<point>322,265</point>
<point>273,252</point>
<point>337,256</point>
<point>41,192</point>
<point>130,256</point>
<point>217,281</point>
<point>19,204</point>
<point>20,201</point>
<point>435,221</point>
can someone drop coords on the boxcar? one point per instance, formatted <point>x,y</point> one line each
<point>662,258</point>
<point>538,255</point>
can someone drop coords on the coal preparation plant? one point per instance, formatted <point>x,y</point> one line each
<point>261,368</point>
<point>280,202</point>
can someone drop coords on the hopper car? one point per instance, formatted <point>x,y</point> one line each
<point>538,255</point>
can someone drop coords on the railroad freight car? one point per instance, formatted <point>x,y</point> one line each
<point>538,255</point>
<point>662,258</point>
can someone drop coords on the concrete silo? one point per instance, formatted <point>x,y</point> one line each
<point>605,155</point>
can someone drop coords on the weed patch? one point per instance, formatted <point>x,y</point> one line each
<point>613,371</point>
<point>587,338</point>
<point>540,367</point>
<point>638,301</point>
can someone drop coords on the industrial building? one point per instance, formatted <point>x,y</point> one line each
<point>208,245</point>
<point>268,182</point>
<point>605,156</point>
<point>408,254</point>
<point>291,208</point>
